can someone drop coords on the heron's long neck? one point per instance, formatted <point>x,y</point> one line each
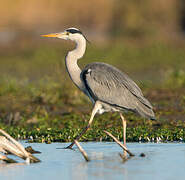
<point>71,63</point>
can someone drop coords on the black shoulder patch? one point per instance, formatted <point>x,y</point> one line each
<point>73,31</point>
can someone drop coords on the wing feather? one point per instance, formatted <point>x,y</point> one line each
<point>108,84</point>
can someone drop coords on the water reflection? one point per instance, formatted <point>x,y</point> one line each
<point>162,161</point>
<point>8,171</point>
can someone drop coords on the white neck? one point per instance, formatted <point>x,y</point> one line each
<point>71,62</point>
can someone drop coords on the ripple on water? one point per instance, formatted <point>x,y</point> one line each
<point>162,161</point>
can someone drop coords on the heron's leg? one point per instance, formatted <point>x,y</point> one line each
<point>124,129</point>
<point>97,106</point>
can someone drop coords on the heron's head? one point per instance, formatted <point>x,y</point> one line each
<point>72,34</point>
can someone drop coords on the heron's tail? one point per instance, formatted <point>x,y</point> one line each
<point>145,111</point>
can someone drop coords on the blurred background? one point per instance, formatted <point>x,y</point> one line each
<point>129,29</point>
<point>103,19</point>
<point>146,39</point>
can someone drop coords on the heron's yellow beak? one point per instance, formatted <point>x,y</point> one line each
<point>51,35</point>
<point>62,35</point>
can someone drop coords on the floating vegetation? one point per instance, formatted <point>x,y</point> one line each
<point>136,134</point>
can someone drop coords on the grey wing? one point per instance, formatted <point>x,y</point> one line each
<point>106,83</point>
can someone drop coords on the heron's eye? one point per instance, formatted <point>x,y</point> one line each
<point>67,33</point>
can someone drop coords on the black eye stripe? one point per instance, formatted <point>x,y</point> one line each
<point>73,31</point>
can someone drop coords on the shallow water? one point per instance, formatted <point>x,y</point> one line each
<point>162,161</point>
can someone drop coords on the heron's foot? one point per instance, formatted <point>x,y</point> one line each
<point>68,147</point>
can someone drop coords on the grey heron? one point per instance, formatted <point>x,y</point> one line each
<point>108,88</point>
